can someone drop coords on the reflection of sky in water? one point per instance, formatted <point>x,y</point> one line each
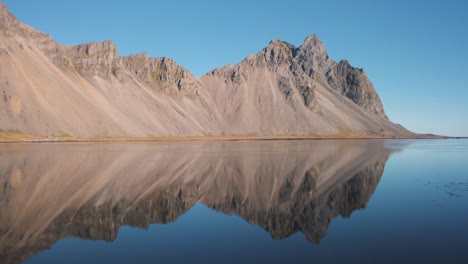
<point>418,213</point>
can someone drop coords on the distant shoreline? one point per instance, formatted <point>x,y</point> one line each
<point>31,139</point>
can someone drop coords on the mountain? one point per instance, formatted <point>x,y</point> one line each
<point>53,191</point>
<point>89,91</point>
<point>289,90</point>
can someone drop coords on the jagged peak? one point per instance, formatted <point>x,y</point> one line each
<point>105,43</point>
<point>168,62</point>
<point>10,25</point>
<point>163,62</point>
<point>345,62</point>
<point>3,7</point>
<point>313,44</point>
<point>6,18</point>
<point>312,56</point>
<point>277,52</point>
<point>313,40</point>
<point>279,43</point>
<point>141,55</point>
<point>91,48</point>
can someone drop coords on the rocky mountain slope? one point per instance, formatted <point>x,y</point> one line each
<point>89,91</point>
<point>315,95</point>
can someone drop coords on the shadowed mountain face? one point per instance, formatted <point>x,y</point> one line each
<point>88,90</point>
<point>49,192</point>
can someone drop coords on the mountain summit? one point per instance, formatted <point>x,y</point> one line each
<point>89,91</point>
<point>285,89</point>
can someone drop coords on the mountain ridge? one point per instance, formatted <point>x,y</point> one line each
<point>89,91</point>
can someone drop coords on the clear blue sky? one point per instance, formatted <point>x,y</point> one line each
<point>415,52</point>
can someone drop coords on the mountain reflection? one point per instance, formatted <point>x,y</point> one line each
<point>49,192</point>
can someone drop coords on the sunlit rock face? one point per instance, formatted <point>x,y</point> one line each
<point>284,89</point>
<point>49,192</point>
<point>90,91</point>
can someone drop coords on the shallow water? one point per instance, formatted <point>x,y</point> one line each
<point>321,201</point>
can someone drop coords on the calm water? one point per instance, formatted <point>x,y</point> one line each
<point>330,201</point>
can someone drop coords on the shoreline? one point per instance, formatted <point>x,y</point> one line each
<point>32,139</point>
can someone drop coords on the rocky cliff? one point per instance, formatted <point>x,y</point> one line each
<point>88,90</point>
<point>285,89</point>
